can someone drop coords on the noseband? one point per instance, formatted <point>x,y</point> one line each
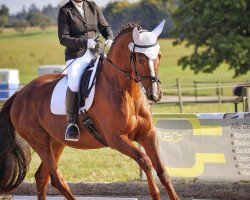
<point>138,78</point>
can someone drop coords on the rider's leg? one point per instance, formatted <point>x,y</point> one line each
<point>75,71</point>
<point>72,132</point>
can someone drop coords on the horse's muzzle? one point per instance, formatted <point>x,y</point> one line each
<point>155,97</point>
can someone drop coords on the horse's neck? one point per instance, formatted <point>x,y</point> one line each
<point>119,56</point>
<point>115,80</point>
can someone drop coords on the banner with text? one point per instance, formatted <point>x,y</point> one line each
<point>213,147</point>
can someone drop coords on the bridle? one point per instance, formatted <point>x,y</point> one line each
<point>138,78</point>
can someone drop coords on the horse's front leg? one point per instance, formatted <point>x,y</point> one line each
<point>150,144</point>
<point>125,146</point>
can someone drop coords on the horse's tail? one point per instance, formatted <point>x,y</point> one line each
<point>15,154</point>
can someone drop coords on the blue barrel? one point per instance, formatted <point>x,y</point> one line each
<point>9,82</point>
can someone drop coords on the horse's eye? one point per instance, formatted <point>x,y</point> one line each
<point>141,61</point>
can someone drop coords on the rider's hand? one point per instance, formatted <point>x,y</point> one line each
<point>91,44</point>
<point>108,43</point>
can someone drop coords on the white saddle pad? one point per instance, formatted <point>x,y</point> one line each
<point>57,104</point>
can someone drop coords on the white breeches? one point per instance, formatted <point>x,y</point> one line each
<point>75,70</point>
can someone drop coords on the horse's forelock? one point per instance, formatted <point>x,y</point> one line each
<point>127,28</point>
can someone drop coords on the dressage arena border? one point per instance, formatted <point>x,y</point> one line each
<point>193,189</point>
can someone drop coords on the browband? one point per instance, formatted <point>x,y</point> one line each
<point>145,46</point>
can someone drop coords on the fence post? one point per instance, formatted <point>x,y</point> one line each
<point>235,107</point>
<point>179,94</point>
<point>195,91</point>
<point>219,90</point>
<point>244,102</point>
<point>248,99</point>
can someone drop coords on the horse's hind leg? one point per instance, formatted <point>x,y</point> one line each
<point>150,144</point>
<point>41,144</point>
<point>125,146</point>
<point>42,174</point>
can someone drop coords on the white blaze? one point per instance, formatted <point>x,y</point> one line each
<point>152,73</point>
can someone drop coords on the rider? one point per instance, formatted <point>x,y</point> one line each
<point>78,22</point>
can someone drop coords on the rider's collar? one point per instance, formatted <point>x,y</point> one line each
<point>77,4</point>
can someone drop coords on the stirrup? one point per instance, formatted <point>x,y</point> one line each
<point>74,135</point>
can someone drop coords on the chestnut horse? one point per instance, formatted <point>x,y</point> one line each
<point>121,112</point>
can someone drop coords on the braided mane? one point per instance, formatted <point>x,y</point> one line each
<point>127,28</point>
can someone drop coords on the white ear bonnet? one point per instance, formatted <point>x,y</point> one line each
<point>146,42</point>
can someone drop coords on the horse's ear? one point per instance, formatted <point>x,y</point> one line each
<point>136,34</point>
<point>157,31</point>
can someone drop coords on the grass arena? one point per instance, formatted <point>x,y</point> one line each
<point>120,176</point>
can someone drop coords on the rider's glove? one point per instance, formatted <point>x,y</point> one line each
<point>91,44</point>
<point>108,43</point>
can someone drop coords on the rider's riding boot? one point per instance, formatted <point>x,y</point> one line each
<point>72,132</point>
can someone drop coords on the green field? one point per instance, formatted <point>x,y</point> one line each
<point>34,48</point>
<point>102,165</point>
<point>27,52</point>
<point>107,165</point>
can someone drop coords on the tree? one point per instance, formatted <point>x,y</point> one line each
<point>20,16</point>
<point>3,21</point>
<point>39,19</point>
<point>117,14</point>
<point>219,32</point>
<point>150,13</point>
<point>164,2</point>
<point>147,13</point>
<point>4,10</point>
<point>4,16</point>
<point>51,11</point>
<point>33,8</point>
<point>20,26</point>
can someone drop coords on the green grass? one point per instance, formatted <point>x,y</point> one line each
<point>170,71</point>
<point>27,52</point>
<point>196,108</point>
<point>107,165</point>
<point>102,165</point>
<point>34,48</point>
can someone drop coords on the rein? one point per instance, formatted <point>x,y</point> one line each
<point>123,71</point>
<point>138,77</point>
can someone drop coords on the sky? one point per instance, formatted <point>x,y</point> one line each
<point>16,5</point>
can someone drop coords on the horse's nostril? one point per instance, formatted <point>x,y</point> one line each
<point>161,94</point>
<point>153,97</point>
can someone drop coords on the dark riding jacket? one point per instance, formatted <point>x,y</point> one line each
<point>74,30</point>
